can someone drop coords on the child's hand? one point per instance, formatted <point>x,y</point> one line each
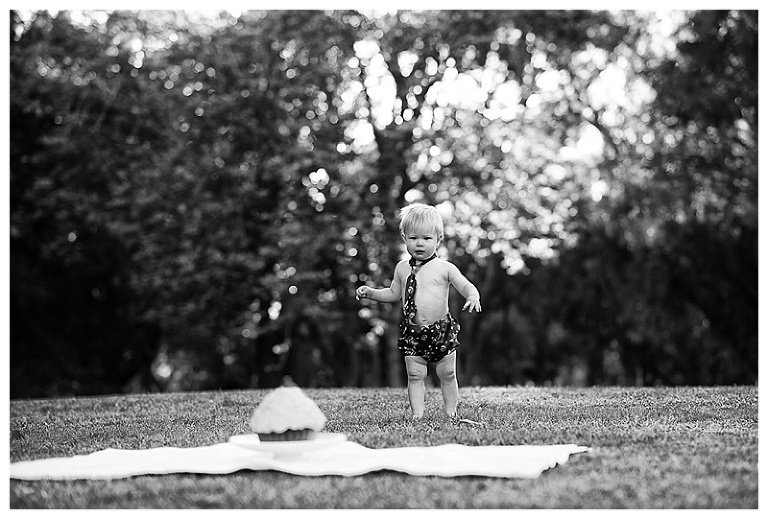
<point>473,303</point>
<point>363,292</point>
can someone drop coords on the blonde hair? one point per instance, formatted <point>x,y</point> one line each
<point>420,217</point>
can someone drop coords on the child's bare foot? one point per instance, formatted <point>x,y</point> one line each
<point>417,417</point>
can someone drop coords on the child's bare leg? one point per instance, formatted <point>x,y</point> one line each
<point>416,368</point>
<point>446,372</point>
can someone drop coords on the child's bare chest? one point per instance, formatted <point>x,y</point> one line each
<point>430,280</point>
<point>431,276</point>
<point>430,299</point>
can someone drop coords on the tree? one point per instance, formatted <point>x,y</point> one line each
<point>195,200</point>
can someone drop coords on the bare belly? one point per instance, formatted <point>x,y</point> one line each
<point>430,308</point>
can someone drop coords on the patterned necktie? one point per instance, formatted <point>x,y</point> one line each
<point>409,307</point>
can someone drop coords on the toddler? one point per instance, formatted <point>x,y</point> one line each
<point>428,332</point>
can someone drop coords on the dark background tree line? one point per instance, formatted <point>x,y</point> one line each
<point>192,203</point>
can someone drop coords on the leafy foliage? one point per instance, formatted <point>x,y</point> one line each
<point>193,201</point>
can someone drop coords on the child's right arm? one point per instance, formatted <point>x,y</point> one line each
<point>383,295</point>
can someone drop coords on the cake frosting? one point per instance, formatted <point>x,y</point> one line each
<point>286,409</point>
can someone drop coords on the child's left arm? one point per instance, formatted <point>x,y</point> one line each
<point>465,288</point>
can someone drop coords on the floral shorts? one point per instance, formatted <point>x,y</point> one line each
<point>432,342</point>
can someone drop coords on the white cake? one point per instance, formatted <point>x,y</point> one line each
<point>286,414</point>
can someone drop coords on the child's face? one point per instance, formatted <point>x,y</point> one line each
<point>421,243</point>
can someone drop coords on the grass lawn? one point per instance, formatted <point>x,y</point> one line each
<point>692,447</point>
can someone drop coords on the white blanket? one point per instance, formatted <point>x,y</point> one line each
<point>342,459</point>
